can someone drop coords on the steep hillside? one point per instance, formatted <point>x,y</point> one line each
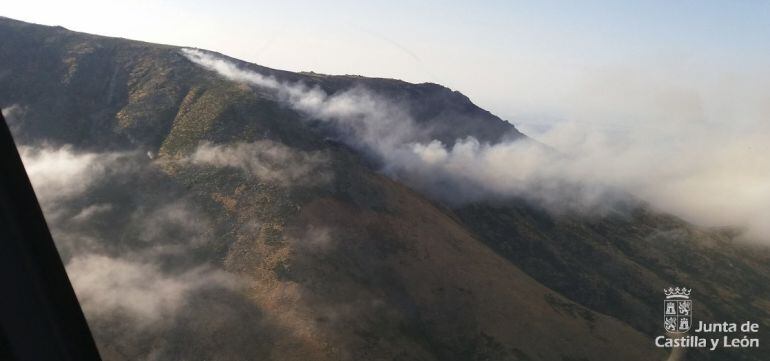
<point>217,222</point>
<point>108,92</point>
<point>618,264</point>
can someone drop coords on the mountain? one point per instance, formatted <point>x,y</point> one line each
<point>206,218</point>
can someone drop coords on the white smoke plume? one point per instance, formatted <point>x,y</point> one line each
<point>712,172</point>
<point>61,173</point>
<point>267,160</point>
<point>106,285</point>
<point>365,119</point>
<point>13,114</point>
<point>91,211</point>
<point>12,111</point>
<point>136,278</point>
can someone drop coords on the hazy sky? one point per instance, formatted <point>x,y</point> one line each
<point>525,61</point>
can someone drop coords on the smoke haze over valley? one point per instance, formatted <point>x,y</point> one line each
<point>710,172</point>
<point>208,208</point>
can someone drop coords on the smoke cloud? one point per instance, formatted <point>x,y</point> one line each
<point>13,114</point>
<point>360,117</point>
<point>266,160</point>
<point>706,169</point>
<point>132,254</point>
<point>59,174</point>
<point>107,286</point>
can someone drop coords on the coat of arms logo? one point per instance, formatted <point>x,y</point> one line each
<point>677,310</point>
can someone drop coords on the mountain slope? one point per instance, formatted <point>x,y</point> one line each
<point>312,253</point>
<point>618,264</point>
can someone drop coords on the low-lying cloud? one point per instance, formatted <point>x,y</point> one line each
<point>710,171</point>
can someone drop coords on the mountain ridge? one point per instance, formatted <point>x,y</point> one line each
<point>171,63</point>
<point>350,264</point>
